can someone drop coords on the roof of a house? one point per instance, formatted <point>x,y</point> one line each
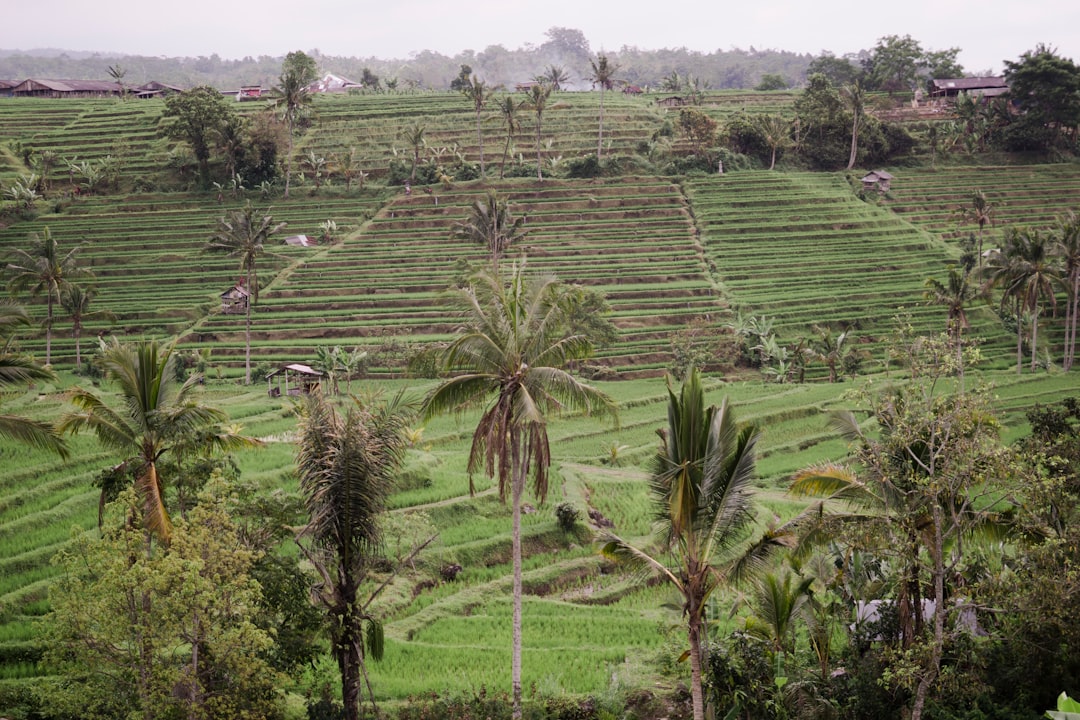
<point>875,175</point>
<point>333,83</point>
<point>236,291</point>
<point>68,85</point>
<point>971,83</point>
<point>300,241</point>
<point>296,368</point>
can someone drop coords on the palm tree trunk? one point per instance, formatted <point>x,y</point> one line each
<point>480,141</point>
<point>934,664</point>
<point>78,347</point>
<point>506,151</point>
<point>1075,309</point>
<point>518,480</point>
<point>697,695</point>
<point>1019,339</point>
<point>854,140</point>
<point>247,329</point>
<point>539,172</point>
<point>48,333</point>
<point>288,163</point>
<point>1034,336</point>
<point>600,137</point>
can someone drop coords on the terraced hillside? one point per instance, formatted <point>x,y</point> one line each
<point>1031,195</point>
<point>631,240</point>
<point>802,248</point>
<point>146,252</point>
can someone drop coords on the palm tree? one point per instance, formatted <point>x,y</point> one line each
<point>829,350</point>
<point>413,133</point>
<point>244,233</point>
<point>1032,278</point>
<point>508,108</point>
<point>1067,248</point>
<point>76,300</point>
<point>291,94</point>
<point>157,416</point>
<point>777,134</point>
<point>537,102</point>
<point>603,74</point>
<point>701,487</point>
<point>478,93</point>
<point>44,270</point>
<point>856,98</point>
<point>980,212</point>
<point>954,297</point>
<point>490,224</point>
<point>510,355</point>
<point>346,466</point>
<point>555,76</point>
<point>16,369</point>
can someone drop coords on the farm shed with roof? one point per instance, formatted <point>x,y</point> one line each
<point>33,87</point>
<point>293,379</point>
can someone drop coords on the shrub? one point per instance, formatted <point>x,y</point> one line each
<point>567,516</point>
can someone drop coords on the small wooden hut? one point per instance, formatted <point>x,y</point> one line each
<point>293,379</point>
<point>877,180</point>
<point>234,301</point>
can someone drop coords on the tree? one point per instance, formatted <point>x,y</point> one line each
<point>828,349</point>
<point>896,64</point>
<point>508,108</point>
<point>346,467</point>
<point>980,212</point>
<point>478,94</point>
<point>839,71</point>
<point>165,634</point>
<point>772,81</point>
<point>413,133</point>
<point>555,76</point>
<point>76,300</point>
<point>700,129</point>
<point>1047,88</point>
<point>701,487</point>
<point>954,296</point>
<point>16,369</point>
<point>118,74</point>
<point>1066,247</point>
<point>777,134</point>
<point>510,356</point>
<point>298,71</point>
<point>927,480</point>
<point>603,74</point>
<point>197,117</point>
<point>491,225</point>
<point>856,98</point>
<point>537,102</point>
<point>244,234</point>
<point>43,270</point>
<point>157,416</point>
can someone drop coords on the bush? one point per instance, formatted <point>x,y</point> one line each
<point>567,516</point>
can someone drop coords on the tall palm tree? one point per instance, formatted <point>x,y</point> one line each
<point>510,358</point>
<point>43,269</point>
<point>954,296</point>
<point>156,416</point>
<point>413,133</point>
<point>981,212</point>
<point>490,224</point>
<point>244,233</point>
<point>1067,249</point>
<point>537,102</point>
<point>701,488</point>
<point>478,94</point>
<point>76,300</point>
<point>856,98</point>
<point>291,95</point>
<point>777,134</point>
<point>16,369</point>
<point>555,76</point>
<point>508,108</point>
<point>603,74</point>
<point>1034,277</point>
<point>346,466</point>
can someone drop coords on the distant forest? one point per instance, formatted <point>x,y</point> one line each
<point>565,48</point>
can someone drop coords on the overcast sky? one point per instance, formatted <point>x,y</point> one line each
<point>986,32</point>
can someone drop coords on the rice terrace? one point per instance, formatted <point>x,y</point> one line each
<point>393,398</point>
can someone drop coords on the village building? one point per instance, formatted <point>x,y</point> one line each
<point>34,87</point>
<point>671,101</point>
<point>632,90</point>
<point>154,89</point>
<point>334,84</point>
<point>249,92</point>
<point>877,180</point>
<point>301,241</point>
<point>979,87</point>
<point>234,301</point>
<point>6,86</point>
<point>293,379</point>
<point>526,86</point>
